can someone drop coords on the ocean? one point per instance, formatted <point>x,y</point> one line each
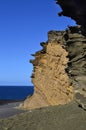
<point>15,92</point>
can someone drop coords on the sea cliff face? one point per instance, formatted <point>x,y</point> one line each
<point>59,73</point>
<point>52,86</point>
<point>59,69</point>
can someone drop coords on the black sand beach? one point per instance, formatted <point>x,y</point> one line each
<point>67,117</point>
<point>9,109</point>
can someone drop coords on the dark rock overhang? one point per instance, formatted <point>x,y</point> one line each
<point>76,9</point>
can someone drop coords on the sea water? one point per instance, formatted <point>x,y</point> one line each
<point>15,92</point>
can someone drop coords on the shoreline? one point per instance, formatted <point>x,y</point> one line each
<point>9,109</point>
<point>2,102</point>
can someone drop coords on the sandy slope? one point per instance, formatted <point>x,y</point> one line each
<point>67,117</point>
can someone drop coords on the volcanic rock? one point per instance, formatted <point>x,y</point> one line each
<point>76,9</point>
<point>59,73</point>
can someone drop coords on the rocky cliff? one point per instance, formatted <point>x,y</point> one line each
<point>59,73</point>
<point>51,83</point>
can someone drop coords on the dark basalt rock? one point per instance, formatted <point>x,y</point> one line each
<point>76,46</point>
<point>76,9</point>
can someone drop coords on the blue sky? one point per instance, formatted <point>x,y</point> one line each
<point>23,25</point>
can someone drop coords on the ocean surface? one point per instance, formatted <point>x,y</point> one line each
<point>15,92</point>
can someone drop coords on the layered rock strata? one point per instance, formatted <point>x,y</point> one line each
<point>59,74</point>
<point>52,86</point>
<point>76,47</point>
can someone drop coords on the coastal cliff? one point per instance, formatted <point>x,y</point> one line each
<point>52,86</point>
<point>59,69</point>
<point>59,73</point>
<point>59,78</point>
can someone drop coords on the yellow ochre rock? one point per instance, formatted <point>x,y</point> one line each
<point>51,82</point>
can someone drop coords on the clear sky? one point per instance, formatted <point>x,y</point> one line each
<point>23,25</point>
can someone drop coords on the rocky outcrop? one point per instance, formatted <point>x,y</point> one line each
<point>52,86</point>
<point>59,74</point>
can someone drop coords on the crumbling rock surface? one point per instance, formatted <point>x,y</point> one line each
<point>52,86</point>
<point>59,74</point>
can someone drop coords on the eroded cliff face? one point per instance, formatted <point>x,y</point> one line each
<point>59,74</point>
<point>52,86</point>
